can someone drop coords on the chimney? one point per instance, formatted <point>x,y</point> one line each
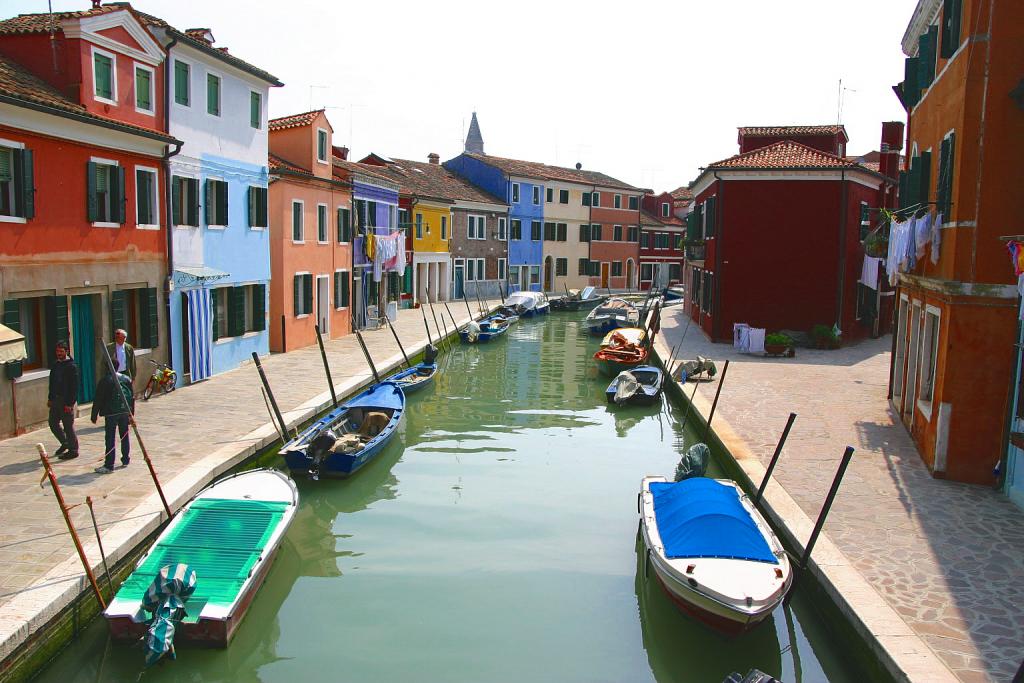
<point>434,158</point>
<point>340,152</point>
<point>892,143</point>
<point>95,4</point>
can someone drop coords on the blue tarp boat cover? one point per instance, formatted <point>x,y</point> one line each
<point>701,518</point>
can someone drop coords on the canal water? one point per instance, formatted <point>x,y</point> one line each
<point>494,540</point>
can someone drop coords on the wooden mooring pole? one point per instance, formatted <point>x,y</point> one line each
<point>775,458</point>
<point>270,395</point>
<point>327,368</point>
<point>99,543</point>
<point>714,404</point>
<point>369,360</point>
<point>398,341</point>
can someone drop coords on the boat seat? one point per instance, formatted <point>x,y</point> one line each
<point>374,423</point>
<point>347,443</point>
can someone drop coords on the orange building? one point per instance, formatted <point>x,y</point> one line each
<point>953,358</point>
<point>310,234</point>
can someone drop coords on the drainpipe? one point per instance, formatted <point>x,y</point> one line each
<point>716,322</point>
<point>842,248</point>
<point>166,165</point>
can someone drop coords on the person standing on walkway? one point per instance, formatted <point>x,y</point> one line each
<point>122,354</point>
<point>114,401</point>
<point>61,399</point>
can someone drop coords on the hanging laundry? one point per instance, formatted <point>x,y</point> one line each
<point>755,340</point>
<point>1016,250</point>
<point>741,337</point>
<point>910,249</point>
<point>922,235</point>
<point>936,238</point>
<point>368,245</point>
<point>869,271</point>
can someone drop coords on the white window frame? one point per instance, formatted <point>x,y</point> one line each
<point>502,229</point>
<point>220,94</point>
<point>617,201</point>
<point>216,226</point>
<point>327,231</point>
<point>928,362</point>
<point>174,77</point>
<point>258,94</point>
<point>446,226</point>
<point>475,225</point>
<point>153,198</point>
<point>105,162</point>
<point>113,75</point>
<point>11,144</point>
<point>327,146</point>
<point>481,270</point>
<point>302,224</point>
<point>303,297</point>
<point>515,193</point>
<point>152,89</point>
<point>666,210</point>
<point>502,269</point>
<point>469,274</point>
<point>536,194</point>
<point>336,306</point>
<point>595,199</point>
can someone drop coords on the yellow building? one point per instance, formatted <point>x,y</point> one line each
<point>431,234</point>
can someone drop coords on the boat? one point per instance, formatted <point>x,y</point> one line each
<point>349,436</point>
<point>414,378</point>
<point>673,294</point>
<point>577,300</point>
<point>626,349</point>
<point>226,537</point>
<point>526,304</point>
<point>712,551</point>
<point>487,329</point>
<point>613,313</point>
<point>641,386</point>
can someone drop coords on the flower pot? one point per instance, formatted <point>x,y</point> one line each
<point>776,349</point>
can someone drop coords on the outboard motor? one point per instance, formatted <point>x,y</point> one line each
<point>694,462</point>
<point>430,354</point>
<point>319,447</point>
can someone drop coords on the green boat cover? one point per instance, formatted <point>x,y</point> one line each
<point>220,539</point>
<point>166,598</point>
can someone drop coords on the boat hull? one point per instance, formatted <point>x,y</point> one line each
<point>614,367</point>
<point>420,380</point>
<point>603,327</point>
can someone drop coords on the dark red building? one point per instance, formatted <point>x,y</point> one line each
<point>661,242</point>
<point>782,225</point>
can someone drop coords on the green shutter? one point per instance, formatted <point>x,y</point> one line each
<point>181,74</point>
<point>712,209</point>
<point>91,205</point>
<point>102,73</point>
<point>914,182</point>
<point>950,27</point>
<point>215,295</point>
<point>142,89</point>
<point>951,166</point>
<point>176,200</point>
<point>296,293</point>
<point>406,280</point>
<point>118,312</point>
<point>308,293</point>
<point>337,289</point>
<point>586,199</point>
<point>150,314</point>
<point>926,56</point>
<point>208,193</point>
<point>142,198</point>
<point>345,284</point>
<point>924,188</point>
<point>911,82</point>
<point>222,202</point>
<point>56,324</point>
<point>255,110</point>
<point>259,308</point>
<point>251,205</point>
<point>193,196</point>
<point>212,95</point>
<point>117,195</point>
<point>236,312</point>
<point>12,314</point>
<point>24,177</point>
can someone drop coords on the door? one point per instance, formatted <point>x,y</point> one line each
<point>524,278</point>
<point>915,343</point>
<point>629,274</point>
<point>460,279</point>
<point>901,348</point>
<point>323,304</point>
<point>83,331</point>
<point>605,269</point>
<point>358,302</point>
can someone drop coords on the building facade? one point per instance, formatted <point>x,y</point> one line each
<point>311,234</point>
<point>566,246</point>
<point>614,235</point>
<point>955,367</point>
<point>661,242</point>
<point>83,228</point>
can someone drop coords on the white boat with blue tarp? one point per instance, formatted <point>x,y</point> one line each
<point>611,314</point>
<point>712,551</point>
<point>527,304</point>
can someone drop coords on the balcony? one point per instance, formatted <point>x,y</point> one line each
<point>695,252</point>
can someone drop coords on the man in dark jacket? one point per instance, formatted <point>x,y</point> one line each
<point>114,401</point>
<point>61,399</point>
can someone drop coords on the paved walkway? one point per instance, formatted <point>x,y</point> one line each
<point>192,434</point>
<point>947,558</point>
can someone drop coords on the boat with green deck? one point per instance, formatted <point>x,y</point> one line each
<point>228,534</point>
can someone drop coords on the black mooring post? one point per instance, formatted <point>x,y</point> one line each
<point>714,404</point>
<point>455,325</point>
<point>397,341</point>
<point>366,353</point>
<point>270,394</point>
<point>425,325</point>
<point>775,458</point>
<point>284,339</point>
<point>468,309</point>
<point>693,395</point>
<point>433,314</point>
<point>501,294</point>
<point>327,368</point>
<point>847,456</point>
<point>444,324</point>
<point>1019,678</point>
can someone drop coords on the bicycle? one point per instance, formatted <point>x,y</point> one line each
<point>163,377</point>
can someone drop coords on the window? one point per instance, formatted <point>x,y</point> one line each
<point>444,228</point>
<point>302,294</point>
<point>950,27</point>
<point>143,89</point>
<point>321,223</point>
<point>341,288</point>
<point>502,269</point>
<point>515,193</point>
<point>707,212</point>
<point>238,310</point>
<point>930,352</point>
<point>665,209</point>
<point>584,233</point>
<point>321,145</point>
<point>255,110</point>
<point>595,199</point>
<point>634,203</point>
<point>216,200</point>
<point>185,201</point>
<point>17,188</point>
<point>33,318</point>
<point>517,229</point>
<point>865,220</point>
<point>563,196</point>
<point>213,94</point>
<point>481,269</point>
<point>550,195</point>
<point>146,210</point>
<point>645,240</point>
<point>477,227</point>
<point>534,275</point>
<point>298,229</point>
<point>419,226</point>
<point>646,272</point>
<point>584,267</point>
<point>616,268</point>
<point>633,234</point>
<point>536,194</point>
<point>549,232</point>
<point>103,76</point>
<point>502,230</point>
<point>105,193</point>
<point>944,183</point>
<point>257,207</point>
<point>595,232</point>
<point>586,198</point>
<point>535,231</point>
<point>365,214</point>
<point>136,311</point>
<point>562,232</point>
<point>403,218</point>
<point>344,225</point>
<point>706,292</point>
<point>182,89</point>
<point>470,270</point>
<point>561,266</point>
<point>513,275</point>
<point>595,268</point>
<point>617,233</point>
<point>617,201</point>
<point>675,272</point>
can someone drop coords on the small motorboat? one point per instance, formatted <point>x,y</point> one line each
<point>414,378</point>
<point>611,314</point>
<point>622,349</point>
<point>641,386</point>
<point>199,578</point>
<point>712,551</point>
<point>527,304</point>
<point>349,436</point>
<point>487,329</point>
<point>577,300</point>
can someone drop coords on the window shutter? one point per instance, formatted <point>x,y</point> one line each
<point>222,202</point>
<point>297,294</point>
<point>924,189</point>
<point>91,205</point>
<point>308,293</point>
<point>337,289</point>
<point>712,208</point>
<point>176,200</point>
<point>911,84</point>
<point>914,182</point>
<point>251,205</point>
<point>118,316</point>
<point>903,192</point>
<point>193,196</point>
<point>117,196</point>
<point>142,198</point>
<point>926,56</point>
<point>259,308</point>
<point>950,27</point>
<point>586,199</point>
<point>150,338</point>
<point>12,314</point>
<point>345,285</point>
<point>56,324</point>
<point>208,193</point>
<point>215,295</point>
<point>236,312</point>
<point>23,167</point>
<point>584,234</point>
<point>341,238</point>
<point>950,166</point>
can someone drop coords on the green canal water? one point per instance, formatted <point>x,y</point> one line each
<point>494,540</point>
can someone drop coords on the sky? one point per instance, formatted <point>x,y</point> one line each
<point>646,92</point>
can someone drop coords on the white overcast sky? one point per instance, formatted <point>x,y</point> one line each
<point>646,92</point>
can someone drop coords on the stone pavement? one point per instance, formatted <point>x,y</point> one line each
<point>947,558</point>
<point>192,435</point>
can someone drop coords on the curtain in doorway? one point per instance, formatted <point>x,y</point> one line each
<point>84,345</point>
<point>200,333</point>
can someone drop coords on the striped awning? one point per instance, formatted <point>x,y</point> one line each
<point>12,345</point>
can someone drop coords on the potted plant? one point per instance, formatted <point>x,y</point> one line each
<point>825,337</point>
<point>876,244</point>
<point>777,344</point>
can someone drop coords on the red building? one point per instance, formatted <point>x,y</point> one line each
<point>781,225</point>
<point>661,242</point>
<point>615,235</point>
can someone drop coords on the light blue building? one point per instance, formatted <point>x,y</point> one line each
<point>219,246</point>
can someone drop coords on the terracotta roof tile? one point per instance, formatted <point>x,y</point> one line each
<point>433,180</point>
<point>294,120</point>
<point>775,131</point>
<point>682,193</point>
<point>785,154</point>
<point>277,163</point>
<point>533,169</point>
<point>43,22</point>
<point>648,218</point>
<point>343,169</point>
<point>19,84</point>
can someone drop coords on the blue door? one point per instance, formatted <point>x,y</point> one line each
<point>84,347</point>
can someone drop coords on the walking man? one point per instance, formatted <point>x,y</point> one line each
<point>122,354</point>
<point>61,399</point>
<point>114,401</point>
